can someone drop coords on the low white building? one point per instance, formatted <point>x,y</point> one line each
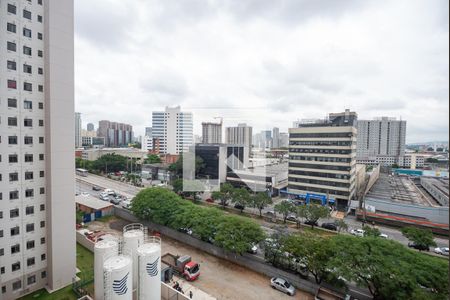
<point>94,154</point>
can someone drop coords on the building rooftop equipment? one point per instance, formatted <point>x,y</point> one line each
<point>399,189</point>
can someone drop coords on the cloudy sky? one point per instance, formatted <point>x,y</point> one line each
<point>264,62</point>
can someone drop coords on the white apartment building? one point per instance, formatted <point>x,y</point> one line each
<point>322,158</point>
<point>147,143</point>
<point>174,130</point>
<point>381,139</point>
<point>37,190</point>
<point>211,133</point>
<point>240,135</point>
<point>78,130</point>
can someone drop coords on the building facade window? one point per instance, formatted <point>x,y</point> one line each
<point>11,65</point>
<point>10,46</point>
<point>11,27</point>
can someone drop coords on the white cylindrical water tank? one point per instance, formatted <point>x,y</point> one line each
<point>102,251</point>
<point>118,278</point>
<point>149,269</point>
<point>133,237</point>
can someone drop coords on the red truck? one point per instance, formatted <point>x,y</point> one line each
<point>182,265</point>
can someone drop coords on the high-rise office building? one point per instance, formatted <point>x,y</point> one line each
<point>322,158</point>
<point>37,176</point>
<point>115,134</point>
<point>148,131</point>
<point>240,135</point>
<point>90,127</point>
<point>173,129</point>
<point>276,137</point>
<point>381,140</point>
<point>284,140</point>
<point>78,126</point>
<point>211,133</point>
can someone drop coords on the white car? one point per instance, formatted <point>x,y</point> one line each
<point>384,236</point>
<point>104,196</point>
<point>357,232</point>
<point>126,204</point>
<point>282,285</point>
<point>441,250</point>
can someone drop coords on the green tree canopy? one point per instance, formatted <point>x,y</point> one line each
<point>152,159</point>
<point>260,201</point>
<point>110,163</point>
<point>371,231</point>
<point>165,207</point>
<point>224,195</point>
<point>420,237</point>
<point>313,212</point>
<point>241,196</point>
<point>341,225</point>
<point>237,234</point>
<point>284,208</point>
<point>312,250</point>
<point>388,269</point>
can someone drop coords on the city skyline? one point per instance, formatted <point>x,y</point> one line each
<point>268,59</point>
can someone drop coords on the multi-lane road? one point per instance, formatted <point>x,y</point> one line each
<point>85,184</point>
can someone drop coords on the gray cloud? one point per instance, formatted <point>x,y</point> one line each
<point>264,62</point>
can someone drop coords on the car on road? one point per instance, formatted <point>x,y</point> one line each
<point>357,232</point>
<point>270,213</point>
<point>441,250</point>
<point>239,206</point>
<point>418,247</point>
<point>96,188</point>
<point>104,197</point>
<point>186,230</point>
<point>312,223</point>
<point>110,192</point>
<point>210,200</point>
<point>329,226</point>
<point>384,236</point>
<point>115,201</point>
<point>282,285</point>
<point>292,217</point>
<point>126,204</point>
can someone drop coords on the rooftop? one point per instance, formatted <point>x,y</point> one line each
<point>399,189</point>
<point>92,202</point>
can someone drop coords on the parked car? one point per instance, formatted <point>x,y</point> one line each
<point>329,226</point>
<point>357,232</point>
<point>270,213</point>
<point>115,201</point>
<point>441,250</point>
<point>96,188</point>
<point>312,223</point>
<point>384,236</point>
<point>253,249</point>
<point>186,230</point>
<point>239,206</point>
<point>282,285</point>
<point>210,200</point>
<point>104,197</point>
<point>419,247</point>
<point>292,217</point>
<point>110,192</point>
<point>126,204</point>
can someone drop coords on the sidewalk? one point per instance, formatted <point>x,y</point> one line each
<point>197,294</point>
